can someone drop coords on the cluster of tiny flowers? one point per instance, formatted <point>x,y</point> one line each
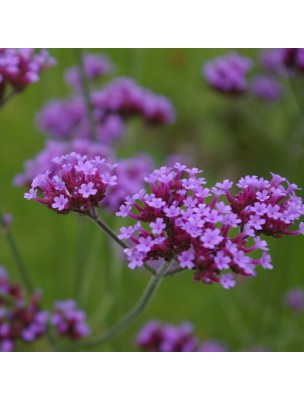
<point>266,88</point>
<point>43,160</point>
<point>283,60</point>
<point>69,321</point>
<point>95,66</point>
<point>21,67</point>
<point>209,231</point>
<point>124,97</point>
<point>294,299</point>
<point>158,337</point>
<point>19,319</point>
<point>228,74</point>
<point>79,185</point>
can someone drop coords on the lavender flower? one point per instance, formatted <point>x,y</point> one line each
<point>80,185</point>
<point>21,67</point>
<point>124,97</point>
<point>43,161</point>
<point>19,319</point>
<point>95,66</point>
<point>294,299</point>
<point>200,227</point>
<point>156,337</point>
<point>227,74</point>
<point>283,60</point>
<point>212,346</point>
<point>69,321</point>
<point>266,88</point>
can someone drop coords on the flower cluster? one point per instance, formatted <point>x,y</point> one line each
<point>294,299</point>
<point>95,66</point>
<point>227,74</point>
<point>69,321</point>
<point>19,319</point>
<point>124,97</point>
<point>43,160</point>
<point>266,88</point>
<point>158,337</point>
<point>21,67</point>
<point>209,231</point>
<point>283,60</point>
<point>79,185</point>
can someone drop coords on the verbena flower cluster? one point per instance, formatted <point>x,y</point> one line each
<point>283,60</point>
<point>158,337</point>
<point>80,185</point>
<point>69,321</point>
<point>111,106</point>
<point>228,74</point>
<point>294,299</point>
<point>266,88</point>
<point>19,319</point>
<point>210,231</point>
<point>130,172</point>
<point>23,320</point>
<point>94,65</point>
<point>21,67</point>
<point>124,97</point>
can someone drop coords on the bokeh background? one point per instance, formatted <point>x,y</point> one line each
<point>227,137</point>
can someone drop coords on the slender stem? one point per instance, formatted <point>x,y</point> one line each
<point>7,98</point>
<point>17,256</point>
<point>135,311</point>
<point>94,216</point>
<point>86,94</point>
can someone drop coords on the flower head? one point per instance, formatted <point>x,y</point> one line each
<point>210,235</point>
<point>79,184</point>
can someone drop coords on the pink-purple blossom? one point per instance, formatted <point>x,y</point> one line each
<point>228,74</point>
<point>80,184</point>
<point>178,221</point>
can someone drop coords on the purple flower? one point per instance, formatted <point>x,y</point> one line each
<point>21,67</point>
<point>82,177</point>
<point>227,74</point>
<point>212,346</point>
<point>95,66</point>
<point>266,88</point>
<point>87,189</point>
<point>69,320</point>
<point>175,220</point>
<point>294,299</point>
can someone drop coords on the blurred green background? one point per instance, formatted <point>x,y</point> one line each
<point>227,137</point>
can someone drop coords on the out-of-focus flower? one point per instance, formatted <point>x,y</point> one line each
<point>124,97</point>
<point>228,74</point>
<point>80,184</point>
<point>157,337</point>
<point>198,226</point>
<point>294,299</point>
<point>69,321</point>
<point>21,67</point>
<point>266,88</point>
<point>212,346</point>
<point>130,178</point>
<point>283,60</point>
<point>19,319</point>
<point>95,66</point>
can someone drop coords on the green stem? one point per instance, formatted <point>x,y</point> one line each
<point>94,216</point>
<point>135,311</point>
<point>6,99</point>
<point>86,94</point>
<point>18,259</point>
